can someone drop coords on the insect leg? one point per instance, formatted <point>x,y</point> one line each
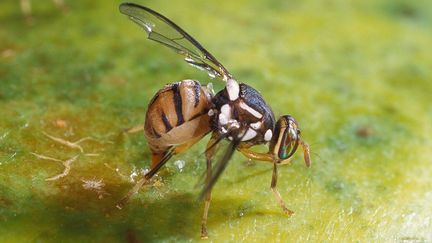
<point>306,152</point>
<point>255,155</point>
<point>265,157</point>
<point>276,192</point>
<point>144,180</point>
<point>209,153</point>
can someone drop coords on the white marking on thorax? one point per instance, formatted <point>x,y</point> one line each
<point>233,124</point>
<point>225,114</point>
<point>233,89</point>
<point>223,120</point>
<point>210,112</point>
<point>268,135</point>
<point>256,125</point>
<point>226,109</point>
<point>250,133</point>
<point>224,130</point>
<point>251,110</point>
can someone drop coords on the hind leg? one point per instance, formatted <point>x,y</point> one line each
<point>160,161</point>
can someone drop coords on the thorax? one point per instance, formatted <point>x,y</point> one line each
<point>240,111</point>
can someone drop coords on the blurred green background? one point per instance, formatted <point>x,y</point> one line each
<point>357,75</point>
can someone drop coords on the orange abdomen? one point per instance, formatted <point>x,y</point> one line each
<point>177,115</point>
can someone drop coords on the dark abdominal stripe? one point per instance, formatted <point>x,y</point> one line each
<point>197,93</point>
<point>178,104</point>
<point>156,133</point>
<point>167,124</point>
<point>177,99</point>
<point>198,115</point>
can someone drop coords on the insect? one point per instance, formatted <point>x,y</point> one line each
<point>182,113</point>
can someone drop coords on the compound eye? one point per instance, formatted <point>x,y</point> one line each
<point>289,142</point>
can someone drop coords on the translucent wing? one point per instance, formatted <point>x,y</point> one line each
<point>162,30</point>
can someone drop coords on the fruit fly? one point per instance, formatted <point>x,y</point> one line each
<point>182,113</point>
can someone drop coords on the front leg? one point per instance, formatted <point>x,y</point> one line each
<point>276,192</point>
<point>266,157</point>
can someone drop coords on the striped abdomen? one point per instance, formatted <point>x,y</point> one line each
<point>177,114</point>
